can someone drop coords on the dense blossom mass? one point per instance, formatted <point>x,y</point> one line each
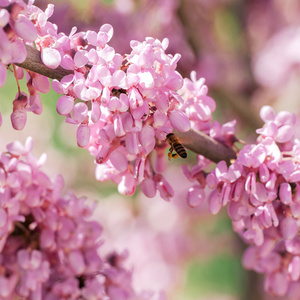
<point>261,192</point>
<point>124,106</point>
<point>49,249</point>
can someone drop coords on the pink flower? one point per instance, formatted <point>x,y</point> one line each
<point>252,156</point>
<point>280,127</point>
<point>83,135</point>
<point>261,190</point>
<point>19,115</point>
<point>285,193</point>
<point>127,184</point>
<point>196,196</point>
<point>164,188</point>
<point>24,28</point>
<point>179,121</point>
<point>65,105</point>
<point>277,283</point>
<point>56,253</point>
<point>148,187</point>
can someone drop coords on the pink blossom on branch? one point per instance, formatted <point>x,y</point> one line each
<point>123,117</point>
<point>122,104</point>
<point>261,192</point>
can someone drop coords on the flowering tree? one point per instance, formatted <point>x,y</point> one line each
<point>125,108</point>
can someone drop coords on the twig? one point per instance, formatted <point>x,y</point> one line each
<point>203,144</point>
<point>33,62</point>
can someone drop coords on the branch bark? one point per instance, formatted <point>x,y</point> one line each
<point>203,144</point>
<point>197,142</point>
<point>33,62</point>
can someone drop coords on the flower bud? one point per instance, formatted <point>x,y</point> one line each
<point>148,187</point>
<point>119,161</point>
<point>65,105</point>
<point>285,193</point>
<point>51,57</point>
<point>196,196</point>
<point>127,185</point>
<point>179,121</point>
<point>83,135</point>
<point>18,119</point>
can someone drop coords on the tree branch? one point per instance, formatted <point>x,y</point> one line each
<point>197,142</point>
<point>33,62</point>
<point>203,144</point>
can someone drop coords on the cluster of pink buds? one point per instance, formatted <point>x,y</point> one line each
<point>123,105</point>
<point>133,105</point>
<point>49,249</point>
<point>262,193</point>
<point>16,29</point>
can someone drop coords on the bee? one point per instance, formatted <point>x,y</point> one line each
<point>176,146</point>
<point>118,92</point>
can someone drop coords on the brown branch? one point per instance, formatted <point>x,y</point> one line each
<point>33,62</point>
<point>203,144</point>
<point>195,141</point>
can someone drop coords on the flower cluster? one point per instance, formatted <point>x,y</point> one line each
<point>49,249</point>
<point>123,105</point>
<point>261,191</point>
<point>16,29</point>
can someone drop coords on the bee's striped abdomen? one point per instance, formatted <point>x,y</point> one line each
<point>180,150</point>
<point>175,145</point>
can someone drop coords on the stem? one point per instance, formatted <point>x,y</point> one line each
<point>203,144</point>
<point>195,141</point>
<point>33,62</point>
<point>16,77</point>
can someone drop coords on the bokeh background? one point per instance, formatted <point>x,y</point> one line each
<point>249,53</point>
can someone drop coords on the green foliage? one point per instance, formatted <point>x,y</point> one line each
<point>221,274</point>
